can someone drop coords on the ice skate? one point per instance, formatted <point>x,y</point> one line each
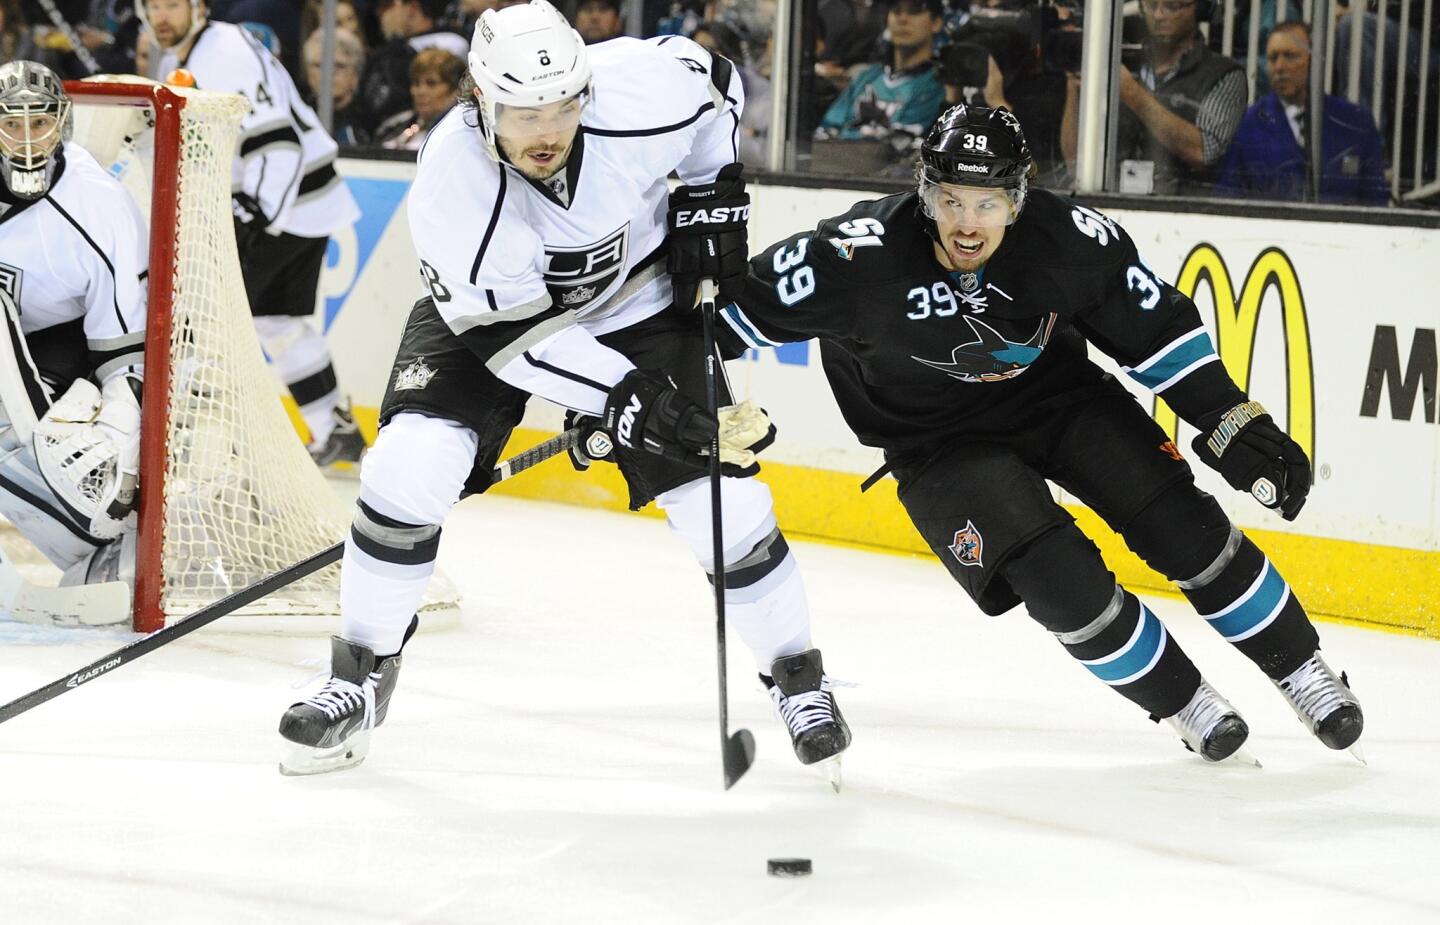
<point>331,730</point>
<point>1211,728</point>
<point>341,451</point>
<point>1325,705</point>
<point>804,702</point>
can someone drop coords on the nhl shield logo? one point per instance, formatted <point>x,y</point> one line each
<point>968,546</point>
<point>415,376</point>
<point>969,282</point>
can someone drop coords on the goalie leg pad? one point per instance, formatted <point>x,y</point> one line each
<point>28,502</point>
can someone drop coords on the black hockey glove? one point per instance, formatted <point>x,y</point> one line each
<point>250,222</point>
<point>595,444</point>
<point>1254,455</point>
<point>645,412</point>
<point>707,226</point>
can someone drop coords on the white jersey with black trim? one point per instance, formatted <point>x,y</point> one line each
<point>527,273</point>
<point>80,251</point>
<point>286,160</point>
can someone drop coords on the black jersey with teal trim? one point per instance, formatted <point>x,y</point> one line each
<point>916,354</point>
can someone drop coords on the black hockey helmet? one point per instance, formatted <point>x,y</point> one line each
<point>976,146</point>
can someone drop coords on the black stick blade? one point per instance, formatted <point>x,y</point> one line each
<point>739,755</point>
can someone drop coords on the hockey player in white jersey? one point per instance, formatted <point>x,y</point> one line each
<point>73,254</point>
<point>539,212</point>
<point>288,201</point>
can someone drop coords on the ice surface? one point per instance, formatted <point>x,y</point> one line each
<point>556,760</point>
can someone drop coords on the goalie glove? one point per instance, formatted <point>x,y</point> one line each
<point>1254,455</point>
<point>87,446</point>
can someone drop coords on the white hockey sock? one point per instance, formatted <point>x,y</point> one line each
<point>765,598</point>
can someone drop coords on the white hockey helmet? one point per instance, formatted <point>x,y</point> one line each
<point>34,121</point>
<point>525,56</point>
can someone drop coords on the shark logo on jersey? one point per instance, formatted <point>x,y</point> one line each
<point>10,279</point>
<point>576,275</point>
<point>415,376</point>
<point>991,357</point>
<point>969,546</point>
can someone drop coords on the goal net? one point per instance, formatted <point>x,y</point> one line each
<point>228,493</point>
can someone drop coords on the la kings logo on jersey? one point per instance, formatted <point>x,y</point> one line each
<point>415,376</point>
<point>575,275</point>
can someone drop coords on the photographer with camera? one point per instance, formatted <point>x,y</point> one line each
<point>993,59</point>
<point>1179,111</point>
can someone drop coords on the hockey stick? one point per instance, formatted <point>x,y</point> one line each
<point>737,751</point>
<point>76,45</point>
<point>268,585</point>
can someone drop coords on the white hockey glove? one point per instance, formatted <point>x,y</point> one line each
<point>88,449</point>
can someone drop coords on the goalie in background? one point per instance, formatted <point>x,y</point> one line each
<point>288,203</point>
<point>72,295</point>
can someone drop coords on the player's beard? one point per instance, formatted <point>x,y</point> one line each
<point>521,159</point>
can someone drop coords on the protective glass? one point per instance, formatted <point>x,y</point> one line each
<point>27,137</point>
<point>971,206</point>
<point>523,125</point>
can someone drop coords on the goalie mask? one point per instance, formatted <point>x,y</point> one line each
<point>974,147</point>
<point>34,121</point>
<point>532,80</point>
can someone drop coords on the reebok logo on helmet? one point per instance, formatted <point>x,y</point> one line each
<point>972,168</point>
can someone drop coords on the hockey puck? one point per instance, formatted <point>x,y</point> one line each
<point>788,867</point>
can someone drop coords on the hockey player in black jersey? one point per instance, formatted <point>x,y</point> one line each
<point>952,323</point>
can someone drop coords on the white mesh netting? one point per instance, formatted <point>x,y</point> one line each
<point>242,498</point>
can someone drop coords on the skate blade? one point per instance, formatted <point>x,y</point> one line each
<point>1358,754</point>
<point>303,760</point>
<point>1245,756</point>
<point>829,769</point>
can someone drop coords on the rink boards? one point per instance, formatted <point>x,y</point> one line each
<point>1341,348</point>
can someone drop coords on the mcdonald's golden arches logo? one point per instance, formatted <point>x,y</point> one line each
<point>1237,320</point>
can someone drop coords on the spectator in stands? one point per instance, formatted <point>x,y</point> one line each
<point>755,121</point>
<point>1267,157</point>
<point>15,41</point>
<point>349,64</point>
<point>901,96</point>
<point>1179,113</point>
<point>852,36</point>
<point>346,17</point>
<point>599,20</point>
<point>434,85</point>
<point>994,59</point>
<point>409,27</point>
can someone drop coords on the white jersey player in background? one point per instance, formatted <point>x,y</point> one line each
<point>539,213</point>
<point>288,201</point>
<point>73,254</point>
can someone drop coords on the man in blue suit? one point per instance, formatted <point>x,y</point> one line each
<point>1267,157</point>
